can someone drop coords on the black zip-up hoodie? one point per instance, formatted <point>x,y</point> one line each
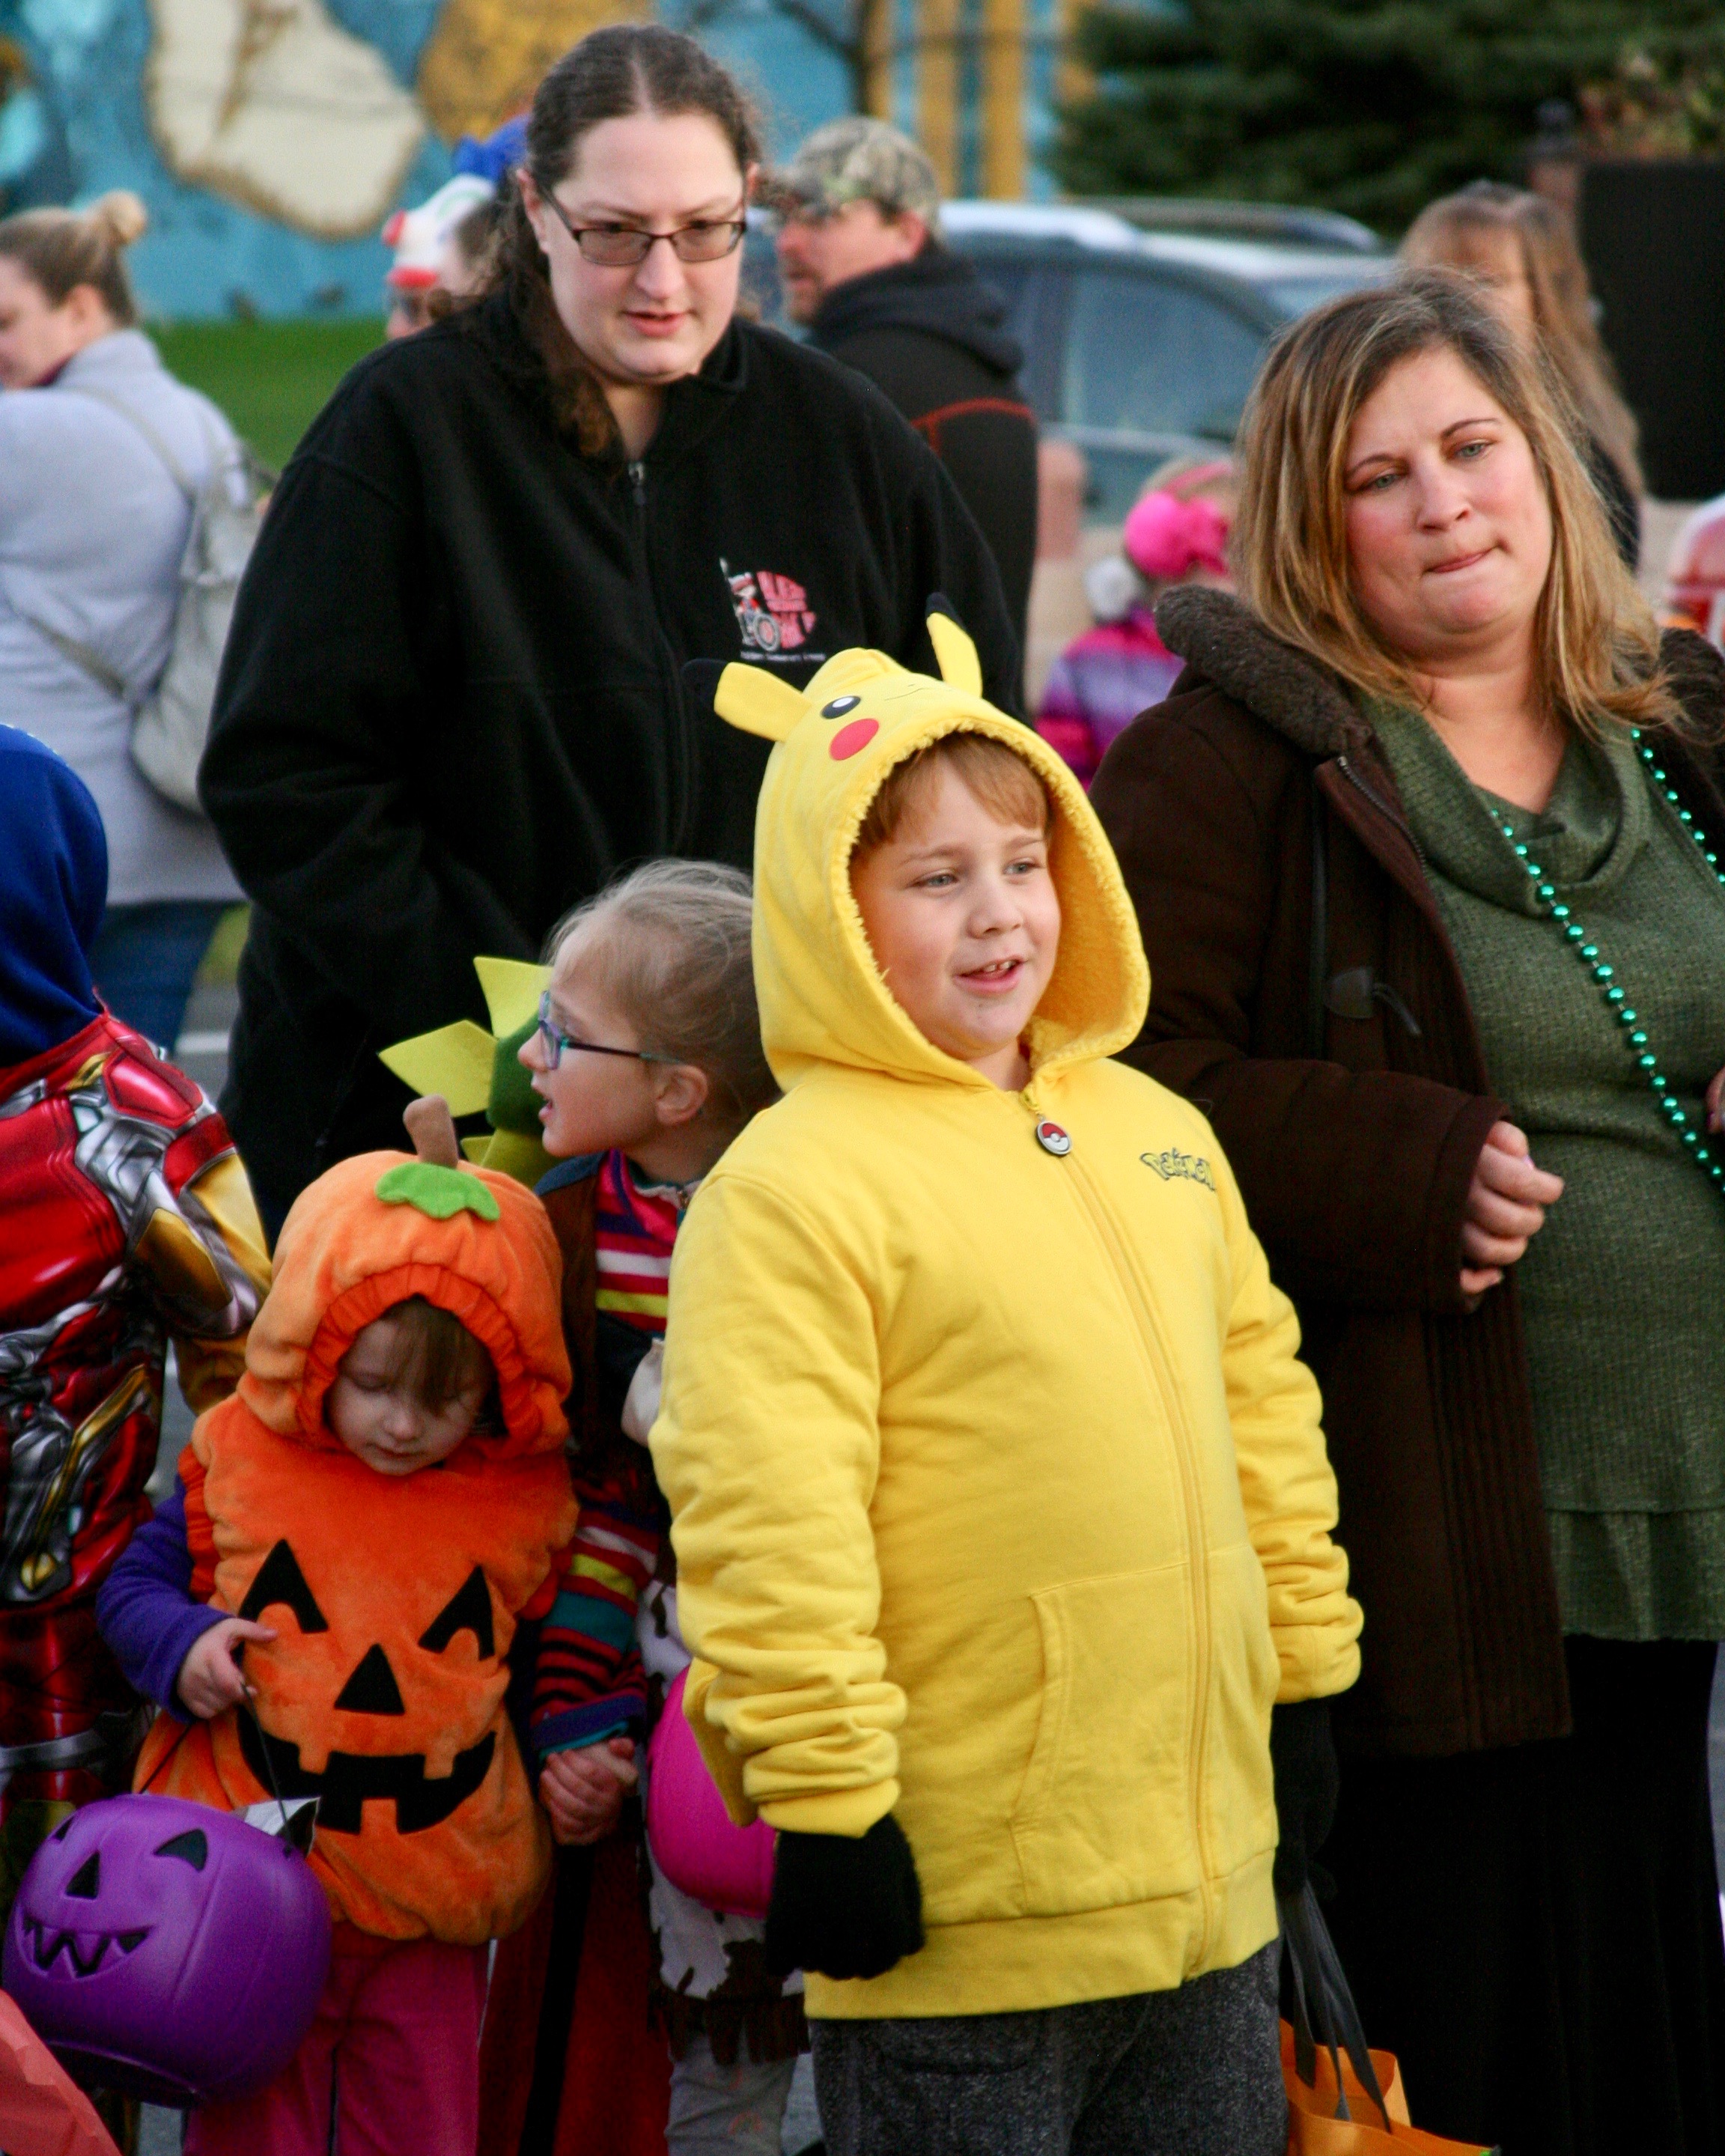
<point>451,706</point>
<point>938,293</point>
<point>929,334</point>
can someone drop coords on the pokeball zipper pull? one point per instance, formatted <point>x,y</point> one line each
<point>1054,1138</point>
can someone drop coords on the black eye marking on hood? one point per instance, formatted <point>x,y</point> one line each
<point>468,1610</point>
<point>279,1579</point>
<point>838,706</point>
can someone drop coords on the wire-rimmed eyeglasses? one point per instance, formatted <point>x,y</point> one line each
<point>626,246</point>
<point>554,1042</point>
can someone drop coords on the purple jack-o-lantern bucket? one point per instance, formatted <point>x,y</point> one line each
<point>693,1840</point>
<point>168,1950</point>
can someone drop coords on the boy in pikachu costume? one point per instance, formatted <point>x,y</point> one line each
<point>1002,1510</point>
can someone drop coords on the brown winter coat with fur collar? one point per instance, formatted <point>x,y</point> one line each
<point>1335,1052</point>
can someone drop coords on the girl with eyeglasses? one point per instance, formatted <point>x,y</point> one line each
<point>648,1059</point>
<point>453,698</point>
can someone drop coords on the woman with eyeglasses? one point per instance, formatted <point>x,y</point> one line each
<point>454,701</point>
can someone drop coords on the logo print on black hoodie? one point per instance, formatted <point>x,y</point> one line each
<point>772,612</point>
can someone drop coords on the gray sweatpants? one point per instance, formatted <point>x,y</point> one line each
<point>1192,2072</point>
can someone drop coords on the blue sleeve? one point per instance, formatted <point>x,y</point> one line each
<point>144,1610</point>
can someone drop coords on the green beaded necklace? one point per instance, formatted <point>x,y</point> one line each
<point>1634,1034</point>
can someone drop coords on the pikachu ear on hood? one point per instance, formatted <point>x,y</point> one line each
<point>746,697</point>
<point>757,702</point>
<point>954,653</point>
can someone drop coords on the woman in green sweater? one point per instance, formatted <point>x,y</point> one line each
<point>1427,848</point>
<point>1568,874</point>
<point>1622,1289</point>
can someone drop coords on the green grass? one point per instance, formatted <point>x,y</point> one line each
<point>221,962</point>
<point>271,378</point>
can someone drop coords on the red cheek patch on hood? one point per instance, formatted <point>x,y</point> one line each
<point>851,740</point>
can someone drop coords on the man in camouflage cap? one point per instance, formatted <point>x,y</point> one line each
<point>864,266</point>
<point>870,193</point>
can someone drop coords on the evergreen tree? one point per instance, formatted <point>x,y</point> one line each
<point>1369,106</point>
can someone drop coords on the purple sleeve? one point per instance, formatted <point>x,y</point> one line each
<point>1064,722</point>
<point>1062,699</point>
<point>144,1610</point>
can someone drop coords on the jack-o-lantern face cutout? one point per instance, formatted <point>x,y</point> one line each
<point>357,1707</point>
<point>168,1949</point>
<point>85,1951</point>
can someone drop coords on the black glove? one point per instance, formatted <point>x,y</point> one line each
<point>1303,1754</point>
<point>845,1905</point>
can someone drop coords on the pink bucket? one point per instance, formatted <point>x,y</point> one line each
<point>694,1841</point>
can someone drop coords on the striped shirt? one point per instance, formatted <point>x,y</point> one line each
<point>589,1684</point>
<point>634,1230</point>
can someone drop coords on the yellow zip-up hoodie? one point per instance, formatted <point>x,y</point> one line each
<point>1000,1498</point>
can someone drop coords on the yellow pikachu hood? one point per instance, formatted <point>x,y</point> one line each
<point>998,1493</point>
<point>822,997</point>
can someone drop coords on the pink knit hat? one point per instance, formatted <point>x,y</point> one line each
<point>1166,537</point>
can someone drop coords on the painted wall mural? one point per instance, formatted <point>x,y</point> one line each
<point>272,104</point>
<point>269,138</point>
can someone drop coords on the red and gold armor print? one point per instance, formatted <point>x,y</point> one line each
<point>127,1222</point>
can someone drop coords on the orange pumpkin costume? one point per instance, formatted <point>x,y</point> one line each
<point>394,1599</point>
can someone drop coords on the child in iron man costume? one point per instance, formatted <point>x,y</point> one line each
<point>126,1220</point>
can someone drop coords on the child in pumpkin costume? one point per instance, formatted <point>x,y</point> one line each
<point>648,1060</point>
<point>373,1540</point>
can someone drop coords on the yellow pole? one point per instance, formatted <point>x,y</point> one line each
<point>877,30</point>
<point>938,88</point>
<point>1073,80</point>
<point>1002,100</point>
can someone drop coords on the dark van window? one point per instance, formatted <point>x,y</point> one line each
<point>1149,358</point>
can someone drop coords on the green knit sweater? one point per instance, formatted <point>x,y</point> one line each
<point>1623,1291</point>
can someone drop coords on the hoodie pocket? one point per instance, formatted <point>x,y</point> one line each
<point>1245,1676</point>
<point>1104,1818</point>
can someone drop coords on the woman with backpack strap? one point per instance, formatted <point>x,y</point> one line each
<point>101,466</point>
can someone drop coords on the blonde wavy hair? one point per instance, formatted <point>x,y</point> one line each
<point>1596,641</point>
<point>1465,231</point>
